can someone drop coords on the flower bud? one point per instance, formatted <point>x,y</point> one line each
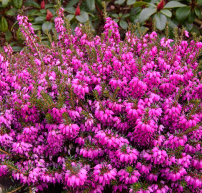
<point>77,12</point>
<point>49,15</point>
<point>42,5</point>
<point>160,5</point>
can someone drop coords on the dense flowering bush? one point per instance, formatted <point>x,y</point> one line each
<point>98,113</point>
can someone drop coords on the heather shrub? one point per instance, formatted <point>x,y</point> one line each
<point>98,114</point>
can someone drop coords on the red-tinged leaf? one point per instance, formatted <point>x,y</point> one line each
<point>49,15</point>
<point>77,12</point>
<point>42,5</point>
<point>160,5</point>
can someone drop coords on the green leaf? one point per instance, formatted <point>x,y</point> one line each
<point>196,30</point>
<point>8,36</point>
<point>43,11</point>
<point>125,15</point>
<point>37,27</point>
<point>116,20</point>
<point>83,7</point>
<point>154,1</point>
<point>114,15</point>
<point>119,2</point>
<point>49,5</point>
<point>160,21</point>
<point>199,2</point>
<point>90,14</point>
<point>123,24</point>
<point>70,10</point>
<point>19,34</point>
<point>99,4</point>
<point>198,12</point>
<point>5,3</point>
<point>146,13</point>
<point>12,12</point>
<point>72,2</point>
<point>32,12</point>
<point>135,11</point>
<point>94,19</point>
<point>70,17</point>
<point>16,48</point>
<point>90,4</point>
<point>134,18</point>
<point>173,4</point>
<point>14,25</point>
<point>182,13</point>
<point>30,18</point>
<point>91,25</point>
<point>130,2</point>
<point>17,3</point>
<point>171,23</point>
<point>32,3</point>
<point>191,17</point>
<point>73,26</point>
<point>3,24</point>
<point>166,12</point>
<point>13,43</point>
<point>83,17</point>
<point>189,26</point>
<point>150,5</point>
<point>46,26</point>
<point>139,4</point>
<point>40,19</point>
<point>44,38</point>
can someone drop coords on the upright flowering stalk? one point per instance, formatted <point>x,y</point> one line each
<point>59,22</point>
<point>28,33</point>
<point>111,31</point>
<point>27,30</point>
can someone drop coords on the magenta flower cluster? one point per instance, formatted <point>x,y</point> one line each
<point>98,114</point>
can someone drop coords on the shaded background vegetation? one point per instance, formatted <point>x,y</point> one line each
<point>150,14</point>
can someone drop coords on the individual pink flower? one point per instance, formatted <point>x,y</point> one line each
<point>91,152</point>
<point>75,177</point>
<point>128,176</point>
<point>126,154</point>
<point>70,131</point>
<point>186,33</point>
<point>104,173</point>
